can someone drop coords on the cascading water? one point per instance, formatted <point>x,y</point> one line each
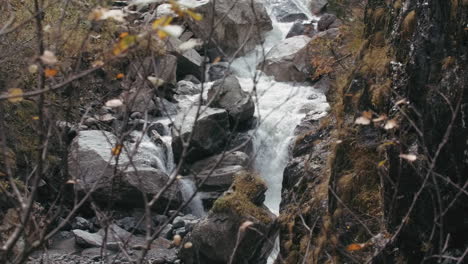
<point>278,111</point>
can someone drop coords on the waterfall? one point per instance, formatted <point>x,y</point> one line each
<point>278,111</point>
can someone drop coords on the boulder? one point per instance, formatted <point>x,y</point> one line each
<point>241,24</point>
<point>189,61</point>
<point>299,28</point>
<point>86,239</point>
<point>228,159</point>
<point>163,67</point>
<point>228,94</point>
<point>187,88</point>
<point>288,61</point>
<point>287,18</point>
<point>210,133</point>
<point>218,71</point>
<point>317,6</point>
<point>328,21</point>
<point>92,165</point>
<point>237,220</point>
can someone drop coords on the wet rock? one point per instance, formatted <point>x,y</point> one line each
<point>292,17</point>
<point>228,94</point>
<point>81,223</point>
<point>287,61</point>
<point>214,237</point>
<point>328,21</point>
<point>235,29</point>
<point>299,28</point>
<point>188,61</point>
<point>91,163</point>
<point>210,133</point>
<point>318,6</point>
<point>187,88</point>
<point>218,71</point>
<point>86,239</point>
<point>229,159</point>
<point>192,79</point>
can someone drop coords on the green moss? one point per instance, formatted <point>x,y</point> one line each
<point>246,188</point>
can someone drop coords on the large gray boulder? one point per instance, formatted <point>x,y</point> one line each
<point>238,221</point>
<point>239,24</point>
<point>94,168</point>
<point>288,61</point>
<point>210,133</point>
<point>228,94</point>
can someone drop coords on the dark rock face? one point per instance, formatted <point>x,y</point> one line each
<point>215,237</point>
<point>339,167</point>
<point>228,94</point>
<point>89,158</point>
<point>235,29</point>
<point>210,133</point>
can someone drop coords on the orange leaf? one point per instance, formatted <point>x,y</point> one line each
<point>123,35</point>
<point>216,60</point>
<point>50,72</point>
<point>120,76</point>
<point>116,150</point>
<point>355,247</point>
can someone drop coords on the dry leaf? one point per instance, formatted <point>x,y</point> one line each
<point>391,124</point>
<point>71,182</point>
<point>362,121</point>
<point>17,94</point>
<point>216,60</point>
<point>367,114</point>
<point>381,163</point>
<point>355,247</point>
<point>155,81</point>
<point>188,245</point>
<point>49,72</point>
<point>120,76</point>
<point>177,240</point>
<point>190,44</point>
<point>49,58</point>
<point>97,63</point>
<point>114,103</point>
<point>245,225</point>
<point>380,118</point>
<point>402,101</point>
<point>409,157</point>
<point>33,68</point>
<point>116,150</point>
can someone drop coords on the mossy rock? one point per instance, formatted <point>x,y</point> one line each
<point>245,198</point>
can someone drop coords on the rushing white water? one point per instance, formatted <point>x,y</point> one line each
<point>278,110</point>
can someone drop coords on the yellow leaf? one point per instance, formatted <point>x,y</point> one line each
<point>49,72</point>
<point>17,94</point>
<point>194,15</point>
<point>35,118</point>
<point>161,22</point>
<point>116,150</point>
<point>381,163</point>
